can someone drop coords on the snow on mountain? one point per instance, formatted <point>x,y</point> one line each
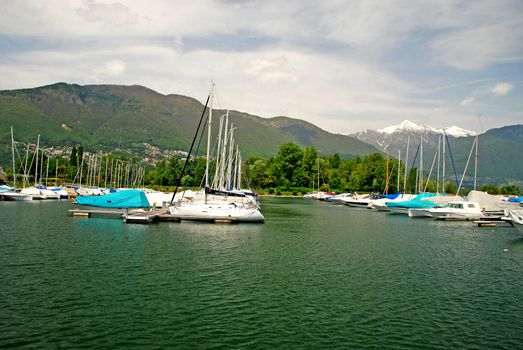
<point>459,132</point>
<point>410,127</point>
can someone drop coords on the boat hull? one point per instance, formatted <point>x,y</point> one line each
<point>516,217</point>
<point>420,213</point>
<point>449,215</point>
<point>216,211</point>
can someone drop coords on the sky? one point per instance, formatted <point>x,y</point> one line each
<point>344,66</point>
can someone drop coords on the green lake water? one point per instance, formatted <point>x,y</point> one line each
<point>314,276</point>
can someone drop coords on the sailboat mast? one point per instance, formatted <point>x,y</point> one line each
<point>47,172</point>
<point>239,181</point>
<point>399,168</point>
<point>221,180</point>
<point>387,173</point>
<point>443,166</point>
<point>218,154</point>
<point>439,156</point>
<point>318,161</point>
<point>41,165</point>
<point>209,139</point>
<point>406,165</point>
<point>421,164</point>
<point>476,163</point>
<point>14,162</point>
<point>26,176</point>
<point>36,167</point>
<point>231,156</point>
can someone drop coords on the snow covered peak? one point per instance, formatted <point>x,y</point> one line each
<point>459,132</point>
<point>405,125</point>
<point>408,126</point>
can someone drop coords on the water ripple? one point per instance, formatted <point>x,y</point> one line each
<point>313,276</point>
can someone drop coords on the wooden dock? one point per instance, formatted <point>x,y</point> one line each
<point>97,212</point>
<point>129,216</point>
<point>491,221</point>
<point>486,223</point>
<point>149,216</point>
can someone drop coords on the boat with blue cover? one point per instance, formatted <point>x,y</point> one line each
<point>120,199</point>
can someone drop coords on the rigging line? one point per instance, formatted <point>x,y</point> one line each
<point>451,157</point>
<point>412,166</point>
<point>190,149</point>
<point>193,164</point>
<point>466,166</point>
<point>430,172</point>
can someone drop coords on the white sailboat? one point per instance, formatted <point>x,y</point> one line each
<point>12,194</point>
<point>225,201</point>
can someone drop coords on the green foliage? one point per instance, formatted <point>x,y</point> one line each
<point>507,189</point>
<point>511,190</point>
<point>490,189</point>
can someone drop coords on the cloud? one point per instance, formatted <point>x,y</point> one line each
<point>275,69</point>
<point>108,14</point>
<point>344,65</point>
<point>501,89</point>
<point>114,67</point>
<point>467,102</point>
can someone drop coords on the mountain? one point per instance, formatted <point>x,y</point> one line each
<point>105,117</point>
<point>396,136</point>
<point>500,153</point>
<point>410,127</point>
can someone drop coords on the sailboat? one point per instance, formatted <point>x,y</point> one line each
<point>225,200</point>
<point>11,194</point>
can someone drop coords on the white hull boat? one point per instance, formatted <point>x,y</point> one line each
<point>516,217</point>
<point>217,211</point>
<point>34,192</point>
<point>419,213</point>
<point>458,211</point>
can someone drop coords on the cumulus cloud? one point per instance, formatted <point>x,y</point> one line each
<point>501,89</point>
<point>275,69</point>
<point>467,102</point>
<point>345,65</point>
<point>114,67</point>
<point>109,14</point>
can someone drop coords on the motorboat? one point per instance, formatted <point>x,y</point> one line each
<point>516,218</point>
<point>361,201</point>
<point>419,213</point>
<point>463,210</point>
<point>421,201</point>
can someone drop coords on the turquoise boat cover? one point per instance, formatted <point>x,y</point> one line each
<point>120,199</point>
<point>418,202</point>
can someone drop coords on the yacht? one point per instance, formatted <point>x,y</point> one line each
<point>458,211</point>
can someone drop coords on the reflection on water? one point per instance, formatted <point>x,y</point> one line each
<point>314,275</point>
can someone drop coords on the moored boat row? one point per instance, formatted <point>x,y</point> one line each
<point>476,205</point>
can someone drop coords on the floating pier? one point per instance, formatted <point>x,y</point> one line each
<point>486,223</point>
<point>130,217</point>
<point>90,212</point>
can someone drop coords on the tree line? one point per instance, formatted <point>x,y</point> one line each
<point>293,169</point>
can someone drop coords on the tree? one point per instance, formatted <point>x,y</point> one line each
<point>287,160</point>
<point>73,160</point>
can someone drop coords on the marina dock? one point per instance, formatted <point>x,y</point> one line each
<point>129,216</point>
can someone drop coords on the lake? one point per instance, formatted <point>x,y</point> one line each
<point>315,275</point>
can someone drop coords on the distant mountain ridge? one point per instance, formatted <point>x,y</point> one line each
<point>106,117</point>
<point>408,126</point>
<point>500,150</point>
